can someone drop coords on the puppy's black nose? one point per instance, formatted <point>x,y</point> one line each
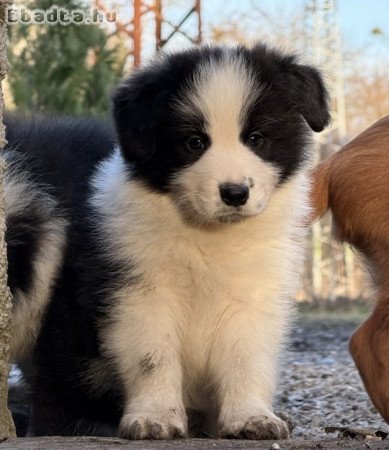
<point>234,194</point>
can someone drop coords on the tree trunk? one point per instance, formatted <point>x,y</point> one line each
<point>7,428</point>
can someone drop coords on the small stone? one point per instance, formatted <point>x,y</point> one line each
<point>275,446</point>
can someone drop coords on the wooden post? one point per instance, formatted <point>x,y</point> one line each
<point>7,428</point>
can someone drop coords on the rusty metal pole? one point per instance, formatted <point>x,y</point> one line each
<point>137,32</point>
<point>199,23</point>
<point>142,7</point>
<point>158,24</point>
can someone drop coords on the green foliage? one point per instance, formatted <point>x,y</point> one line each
<point>63,69</point>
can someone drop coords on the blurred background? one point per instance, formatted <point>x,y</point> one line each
<point>71,69</point>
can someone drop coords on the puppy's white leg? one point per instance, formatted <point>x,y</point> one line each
<point>143,340</point>
<point>244,363</point>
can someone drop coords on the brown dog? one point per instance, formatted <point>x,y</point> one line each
<point>354,184</point>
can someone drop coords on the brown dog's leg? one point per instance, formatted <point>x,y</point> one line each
<point>369,347</point>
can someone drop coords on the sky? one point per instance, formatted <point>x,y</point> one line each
<point>356,17</point>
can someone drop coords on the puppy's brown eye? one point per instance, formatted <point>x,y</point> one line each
<point>196,143</point>
<point>255,140</point>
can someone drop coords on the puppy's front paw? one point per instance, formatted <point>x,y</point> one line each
<point>170,425</point>
<point>266,426</point>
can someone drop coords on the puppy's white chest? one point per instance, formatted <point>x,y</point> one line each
<point>207,283</point>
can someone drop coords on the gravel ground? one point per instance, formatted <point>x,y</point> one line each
<point>319,385</point>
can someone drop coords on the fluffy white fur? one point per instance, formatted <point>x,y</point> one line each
<point>213,305</point>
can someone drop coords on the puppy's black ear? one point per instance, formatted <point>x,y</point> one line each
<point>310,95</point>
<point>134,103</point>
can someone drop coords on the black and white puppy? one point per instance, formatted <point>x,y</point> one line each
<point>157,276</point>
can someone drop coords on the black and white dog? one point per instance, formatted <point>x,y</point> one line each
<point>155,276</point>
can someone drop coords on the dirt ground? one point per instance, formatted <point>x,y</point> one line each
<point>90,443</point>
<point>319,387</point>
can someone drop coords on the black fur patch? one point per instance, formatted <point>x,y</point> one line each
<point>22,237</point>
<point>147,364</point>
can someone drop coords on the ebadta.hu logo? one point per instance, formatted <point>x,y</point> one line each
<point>57,15</point>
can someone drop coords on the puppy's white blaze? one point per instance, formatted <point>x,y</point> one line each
<point>223,91</point>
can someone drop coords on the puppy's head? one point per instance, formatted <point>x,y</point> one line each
<point>219,129</point>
